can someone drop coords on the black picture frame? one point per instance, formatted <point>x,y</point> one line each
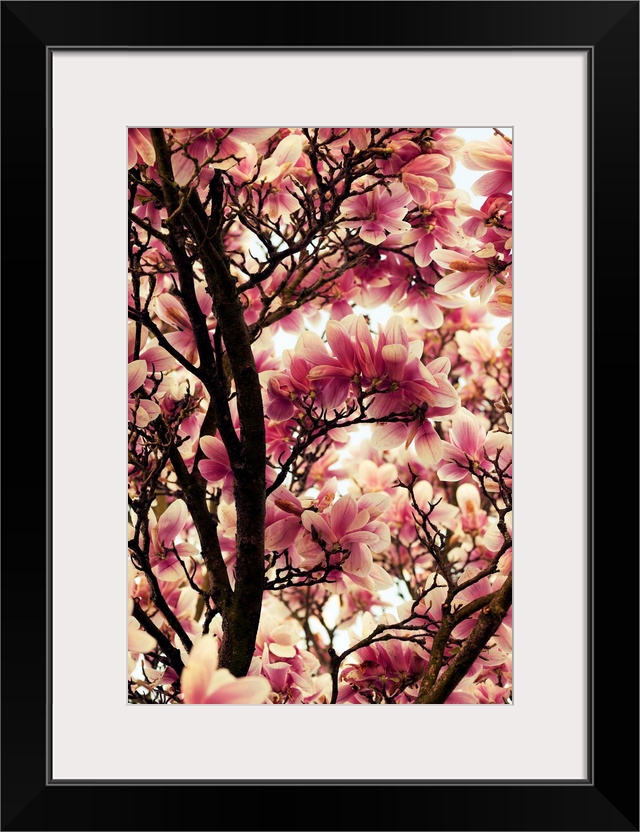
<point>608,798</point>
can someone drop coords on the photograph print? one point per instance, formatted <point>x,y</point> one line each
<point>319,460</point>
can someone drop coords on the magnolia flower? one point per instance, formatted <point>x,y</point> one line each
<point>424,174</point>
<point>165,553</point>
<point>203,683</point>
<point>494,155</point>
<point>141,411</point>
<point>377,212</point>
<point>478,272</point>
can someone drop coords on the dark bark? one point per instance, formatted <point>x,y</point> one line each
<point>172,653</point>
<point>435,692</point>
<point>247,454</point>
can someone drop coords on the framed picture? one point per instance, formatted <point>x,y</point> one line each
<point>563,77</point>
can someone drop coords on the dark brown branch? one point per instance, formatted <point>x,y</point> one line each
<point>172,653</point>
<point>490,619</point>
<point>188,218</point>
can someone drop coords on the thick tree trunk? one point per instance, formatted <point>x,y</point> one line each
<point>247,454</point>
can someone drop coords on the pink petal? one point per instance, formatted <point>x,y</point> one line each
<point>281,534</point>
<point>214,449</point>
<point>197,675</point>
<point>423,250</point>
<point>171,311</point>
<point>311,519</point>
<point>282,651</point>
<point>167,569</point>
<point>147,412</point>
<point>141,140</point>
<point>359,537</point>
<point>396,333</point>
<point>372,233</point>
<point>288,150</point>
<point>250,690</point>
<point>389,435</point>
<point>491,183</point>
<point>343,513</point>
<point>280,409</point>
<point>466,434</point>
<point>185,344</point>
<point>132,155</point>
<point>428,444</point>
<point>137,373</point>
<point>340,343</point>
<point>172,521</point>
<point>139,640</point>
<point>159,359</point>
<point>498,442</point>
<point>468,493</point>
<point>450,472</point>
<point>395,359</point>
<point>212,471</point>
<point>457,281</point>
<point>374,503</point>
<point>183,169</point>
<point>329,371</point>
<point>395,201</point>
<point>360,561</point>
<point>335,393</point>
<point>253,135</point>
<point>439,365</point>
<point>444,257</point>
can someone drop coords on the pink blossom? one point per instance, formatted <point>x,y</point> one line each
<point>432,389</point>
<point>396,154</point>
<point>165,554</point>
<point>170,310</point>
<point>478,272</point>
<point>493,217</point>
<point>348,526</point>
<point>466,437</point>
<point>424,174</point>
<point>495,156</point>
<point>382,671</point>
<point>141,410</point>
<point>474,519</point>
<point>148,208</point>
<point>140,147</point>
<point>290,670</point>
<point>372,477</point>
<point>223,146</point>
<point>377,212</point>
<point>139,642</point>
<point>435,223</point>
<point>216,467</point>
<point>203,683</point>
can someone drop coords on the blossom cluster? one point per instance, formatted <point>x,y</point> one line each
<point>376,295</point>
